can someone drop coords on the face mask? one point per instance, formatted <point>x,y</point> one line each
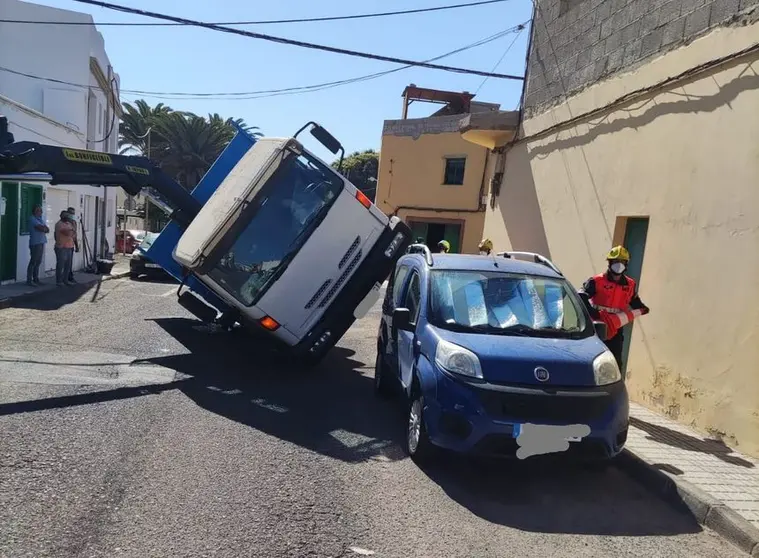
<point>618,268</point>
<point>483,253</point>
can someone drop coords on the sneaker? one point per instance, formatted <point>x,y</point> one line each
<point>30,284</point>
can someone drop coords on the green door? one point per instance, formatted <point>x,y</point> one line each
<point>418,230</point>
<point>635,242</point>
<point>453,235</point>
<point>9,232</point>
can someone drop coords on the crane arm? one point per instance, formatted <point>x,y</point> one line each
<point>77,166</point>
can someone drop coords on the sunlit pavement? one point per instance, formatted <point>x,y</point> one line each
<point>129,429</point>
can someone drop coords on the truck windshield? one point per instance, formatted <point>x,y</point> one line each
<point>292,204</point>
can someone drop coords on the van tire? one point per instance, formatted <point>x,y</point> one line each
<point>423,450</point>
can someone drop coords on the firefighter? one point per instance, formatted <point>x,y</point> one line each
<point>485,247</point>
<point>444,247</point>
<point>614,299</point>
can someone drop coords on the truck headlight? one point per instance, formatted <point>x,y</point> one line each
<point>393,246</point>
<point>457,360</point>
<point>605,369</point>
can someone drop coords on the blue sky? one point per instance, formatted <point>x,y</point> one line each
<point>185,59</point>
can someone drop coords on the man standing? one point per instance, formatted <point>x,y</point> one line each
<point>72,220</point>
<point>37,239</point>
<point>614,299</point>
<point>64,249</point>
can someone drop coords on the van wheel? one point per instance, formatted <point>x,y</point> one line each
<point>381,381</point>
<point>418,444</point>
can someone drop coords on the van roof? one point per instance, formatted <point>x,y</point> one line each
<point>487,263</point>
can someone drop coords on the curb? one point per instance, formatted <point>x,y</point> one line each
<point>9,301</point>
<point>706,509</point>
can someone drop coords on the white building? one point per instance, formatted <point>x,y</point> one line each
<point>71,99</point>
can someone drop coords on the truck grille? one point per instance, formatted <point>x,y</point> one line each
<point>350,251</point>
<point>318,293</point>
<point>341,279</point>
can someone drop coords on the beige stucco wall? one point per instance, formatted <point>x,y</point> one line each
<point>687,157</point>
<point>411,175</point>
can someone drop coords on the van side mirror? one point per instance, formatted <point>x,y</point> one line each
<point>402,319</point>
<point>601,330</point>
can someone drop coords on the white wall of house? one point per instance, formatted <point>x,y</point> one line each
<point>73,113</point>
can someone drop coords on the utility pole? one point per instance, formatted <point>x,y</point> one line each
<point>108,101</point>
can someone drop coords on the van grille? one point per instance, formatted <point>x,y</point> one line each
<point>341,279</point>
<point>318,293</point>
<point>350,251</point>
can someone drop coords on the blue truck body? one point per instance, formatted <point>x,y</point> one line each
<point>161,250</point>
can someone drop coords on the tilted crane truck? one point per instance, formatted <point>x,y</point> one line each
<point>272,238</point>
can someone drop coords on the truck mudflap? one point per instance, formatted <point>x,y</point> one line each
<point>375,268</point>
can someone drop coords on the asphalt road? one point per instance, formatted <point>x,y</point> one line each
<point>127,429</point>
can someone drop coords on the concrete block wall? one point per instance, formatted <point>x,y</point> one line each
<point>578,42</point>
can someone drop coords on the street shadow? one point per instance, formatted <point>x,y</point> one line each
<point>551,495</point>
<point>54,298</point>
<point>670,437</point>
<point>328,409</point>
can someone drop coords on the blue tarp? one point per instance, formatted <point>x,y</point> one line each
<point>161,250</point>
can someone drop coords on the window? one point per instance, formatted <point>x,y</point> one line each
<point>413,296</point>
<point>397,286</point>
<point>454,171</point>
<point>31,195</point>
<point>288,208</point>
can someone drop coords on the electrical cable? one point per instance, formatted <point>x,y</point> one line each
<point>264,22</point>
<point>111,97</point>
<point>55,141</point>
<point>293,42</point>
<point>495,67</point>
<point>246,95</point>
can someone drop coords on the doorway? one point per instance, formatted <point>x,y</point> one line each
<point>433,232</point>
<point>9,231</point>
<point>636,232</point>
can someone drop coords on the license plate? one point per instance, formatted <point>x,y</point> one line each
<point>152,266</point>
<point>516,430</point>
<point>369,300</point>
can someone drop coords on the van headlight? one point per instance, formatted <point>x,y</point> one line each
<point>605,369</point>
<point>457,360</point>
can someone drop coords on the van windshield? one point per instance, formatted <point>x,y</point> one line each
<point>292,204</point>
<point>505,303</point>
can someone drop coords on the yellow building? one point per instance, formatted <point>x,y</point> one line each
<point>433,178</point>
<point>646,132</point>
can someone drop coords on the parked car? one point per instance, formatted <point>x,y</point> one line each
<point>497,356</point>
<point>133,240</point>
<point>140,264</point>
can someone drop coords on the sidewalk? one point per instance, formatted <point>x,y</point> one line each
<point>20,290</point>
<point>718,485</point>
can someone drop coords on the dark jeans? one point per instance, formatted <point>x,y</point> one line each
<point>36,252</point>
<point>615,345</point>
<point>71,271</point>
<point>63,264</point>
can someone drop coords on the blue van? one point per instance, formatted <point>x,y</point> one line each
<point>497,356</point>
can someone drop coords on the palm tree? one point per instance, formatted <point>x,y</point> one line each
<point>136,121</point>
<point>183,144</point>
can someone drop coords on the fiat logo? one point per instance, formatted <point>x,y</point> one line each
<point>541,374</point>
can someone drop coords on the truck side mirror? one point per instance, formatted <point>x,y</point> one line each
<point>601,330</point>
<point>402,319</point>
<point>326,139</point>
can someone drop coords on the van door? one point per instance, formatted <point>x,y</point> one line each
<point>395,289</point>
<point>407,339</point>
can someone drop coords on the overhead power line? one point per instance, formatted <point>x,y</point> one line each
<point>495,67</point>
<point>247,95</point>
<point>266,21</point>
<point>292,42</point>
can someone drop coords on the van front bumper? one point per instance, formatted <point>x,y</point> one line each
<point>485,419</point>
